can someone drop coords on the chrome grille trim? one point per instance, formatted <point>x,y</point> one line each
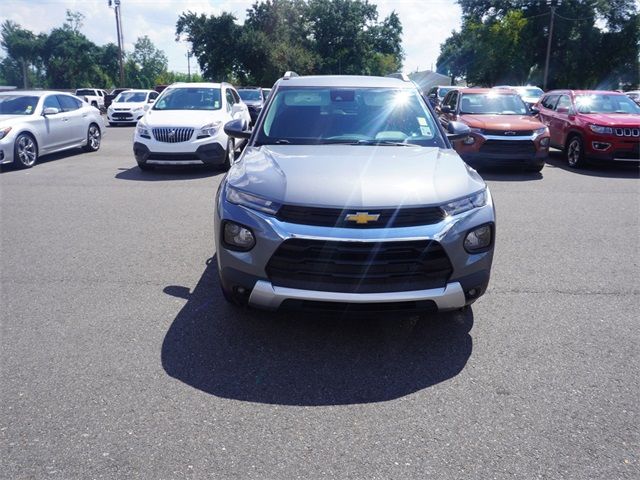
<point>172,134</point>
<point>627,132</point>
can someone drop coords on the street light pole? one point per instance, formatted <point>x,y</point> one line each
<point>116,8</point>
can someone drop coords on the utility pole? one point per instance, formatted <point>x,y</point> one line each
<point>116,8</point>
<point>546,62</point>
<point>189,65</point>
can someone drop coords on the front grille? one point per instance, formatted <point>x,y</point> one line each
<point>359,267</point>
<point>508,147</point>
<point>627,132</point>
<point>172,135</point>
<point>122,116</point>
<point>335,217</point>
<point>122,109</point>
<point>509,133</point>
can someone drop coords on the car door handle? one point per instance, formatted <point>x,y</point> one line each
<point>85,115</point>
<point>65,119</point>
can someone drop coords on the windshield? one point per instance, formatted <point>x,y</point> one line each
<point>359,116</point>
<point>86,91</point>
<point>528,92</point>
<point>249,94</point>
<point>189,99</point>
<point>126,97</point>
<point>17,104</point>
<point>606,103</point>
<point>492,104</point>
<point>442,91</point>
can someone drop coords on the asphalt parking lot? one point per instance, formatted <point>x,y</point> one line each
<point>120,359</point>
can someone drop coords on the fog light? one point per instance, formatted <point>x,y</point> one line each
<point>237,237</point>
<point>544,142</point>
<point>478,239</point>
<point>470,140</point>
<point>600,145</point>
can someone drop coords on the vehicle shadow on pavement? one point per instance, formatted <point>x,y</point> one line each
<point>610,170</point>
<point>163,174</point>
<point>298,359</point>
<point>51,157</point>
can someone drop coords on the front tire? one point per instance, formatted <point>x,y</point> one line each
<point>575,152</point>
<point>534,168</point>
<point>230,155</point>
<point>25,151</point>
<point>94,137</point>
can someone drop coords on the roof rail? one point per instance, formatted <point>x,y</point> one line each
<point>402,76</point>
<point>289,74</point>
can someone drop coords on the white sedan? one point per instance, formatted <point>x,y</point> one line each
<point>36,123</point>
<point>128,106</point>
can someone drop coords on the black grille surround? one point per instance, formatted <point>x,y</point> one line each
<point>359,267</point>
<point>336,217</point>
<point>508,133</point>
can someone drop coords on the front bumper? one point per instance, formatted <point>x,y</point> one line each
<point>184,153</point>
<point>246,272</point>
<point>493,150</point>
<point>124,116</point>
<point>613,149</point>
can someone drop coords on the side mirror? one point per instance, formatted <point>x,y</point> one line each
<point>237,128</point>
<point>457,131</point>
<point>50,111</point>
<point>445,109</point>
<point>152,100</point>
<point>534,110</point>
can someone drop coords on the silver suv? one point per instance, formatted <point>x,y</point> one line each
<point>349,194</point>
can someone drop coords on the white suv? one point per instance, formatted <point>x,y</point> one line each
<point>185,126</point>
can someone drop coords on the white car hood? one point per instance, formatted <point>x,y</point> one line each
<point>354,176</point>
<point>181,118</point>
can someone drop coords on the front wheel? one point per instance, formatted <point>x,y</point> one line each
<point>575,152</point>
<point>25,151</point>
<point>230,154</point>
<point>534,168</point>
<point>93,138</point>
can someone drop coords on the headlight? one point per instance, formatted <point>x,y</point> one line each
<point>478,199</point>
<point>540,131</point>
<point>4,132</point>
<point>600,129</point>
<point>251,201</point>
<point>237,237</point>
<point>478,239</point>
<point>470,140</point>
<point>142,130</point>
<point>210,129</point>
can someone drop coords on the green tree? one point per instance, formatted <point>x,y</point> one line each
<point>23,48</point>
<point>150,61</point>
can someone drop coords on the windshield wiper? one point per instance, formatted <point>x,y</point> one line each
<point>345,141</point>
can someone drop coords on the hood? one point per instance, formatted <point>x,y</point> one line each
<point>612,119</point>
<point>502,122</point>
<point>253,103</point>
<point>8,119</point>
<point>354,176</point>
<point>181,118</point>
<point>130,105</point>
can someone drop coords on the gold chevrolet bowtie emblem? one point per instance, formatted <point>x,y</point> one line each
<point>362,218</point>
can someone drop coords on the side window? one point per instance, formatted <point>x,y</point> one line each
<point>564,103</point>
<point>230,99</point>
<point>447,97</point>
<point>236,97</point>
<point>51,102</point>
<point>69,103</point>
<point>453,100</point>
<point>549,101</point>
<point>153,95</point>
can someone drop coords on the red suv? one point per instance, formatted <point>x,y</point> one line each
<point>592,124</point>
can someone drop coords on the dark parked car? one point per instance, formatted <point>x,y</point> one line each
<point>254,98</point>
<point>437,93</point>
<point>592,124</point>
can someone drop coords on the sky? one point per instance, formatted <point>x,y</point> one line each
<point>426,23</point>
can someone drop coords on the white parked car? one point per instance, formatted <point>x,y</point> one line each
<point>36,123</point>
<point>128,107</point>
<point>93,96</point>
<point>185,126</point>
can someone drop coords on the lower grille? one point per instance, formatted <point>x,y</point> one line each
<point>172,135</point>
<point>359,267</point>
<point>633,154</point>
<point>173,156</point>
<point>506,147</point>
<point>122,116</point>
<point>335,217</point>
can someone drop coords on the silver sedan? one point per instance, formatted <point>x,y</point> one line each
<point>36,123</point>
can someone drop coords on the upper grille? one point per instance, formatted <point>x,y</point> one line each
<point>172,135</point>
<point>359,267</point>
<point>335,217</point>
<point>508,147</point>
<point>509,133</point>
<point>627,132</point>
